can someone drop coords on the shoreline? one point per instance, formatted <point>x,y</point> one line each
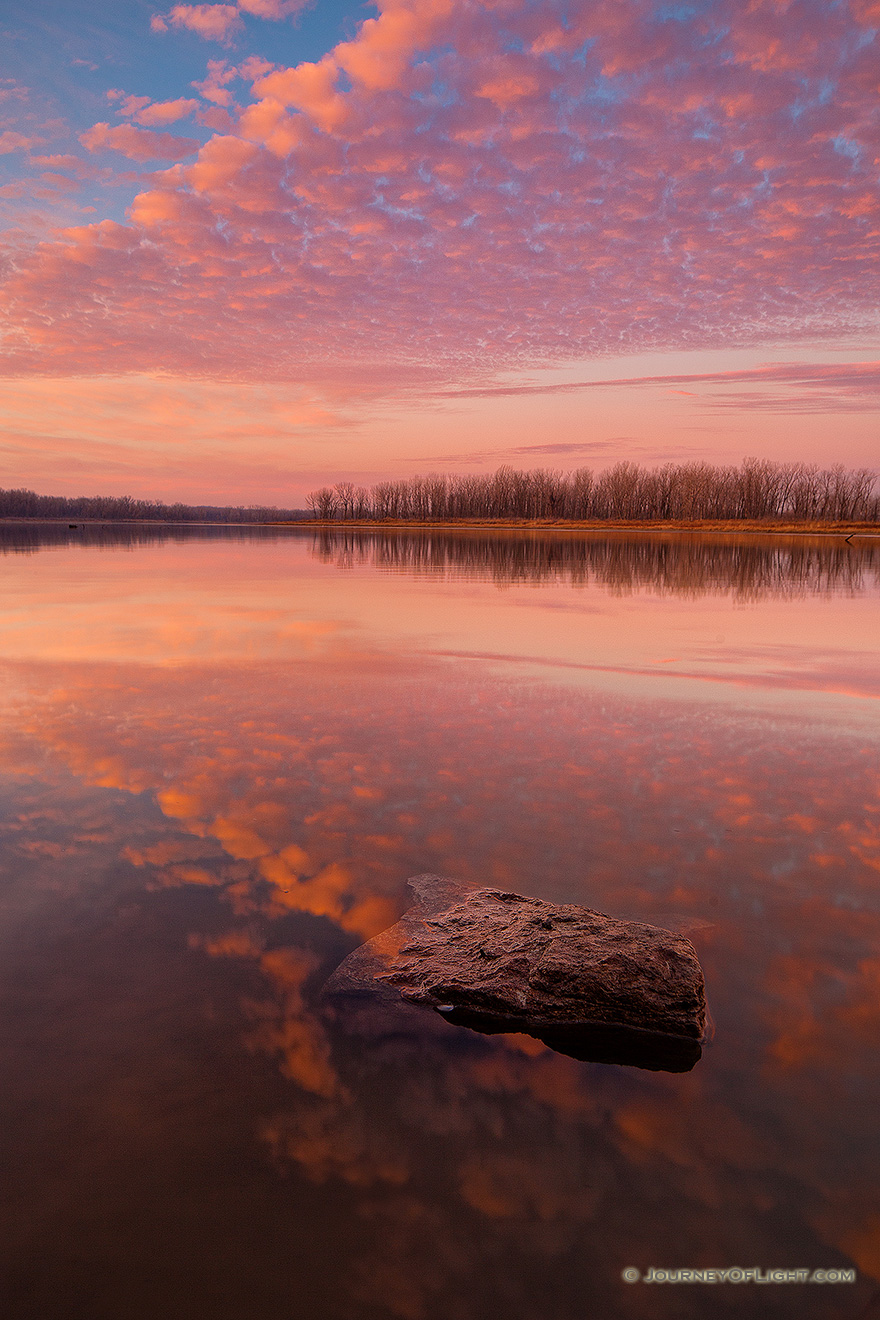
<point>718,526</point>
<point>777,527</point>
<point>138,522</point>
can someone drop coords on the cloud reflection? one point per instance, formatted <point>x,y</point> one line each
<point>309,796</point>
<point>200,842</point>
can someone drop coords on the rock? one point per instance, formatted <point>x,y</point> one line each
<point>585,983</point>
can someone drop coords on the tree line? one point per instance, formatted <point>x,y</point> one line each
<point>123,508</point>
<point>756,489</point>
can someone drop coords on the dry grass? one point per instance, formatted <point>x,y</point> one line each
<point>595,525</point>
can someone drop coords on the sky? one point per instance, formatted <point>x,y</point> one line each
<point>251,248</point>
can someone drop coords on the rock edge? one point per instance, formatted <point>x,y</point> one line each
<point>584,982</point>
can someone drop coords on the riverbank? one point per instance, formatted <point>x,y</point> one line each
<point>843,529</point>
<point>729,526</point>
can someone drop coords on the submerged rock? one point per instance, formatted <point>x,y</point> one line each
<point>584,983</point>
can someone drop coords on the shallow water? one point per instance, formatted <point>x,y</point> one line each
<point>224,753</point>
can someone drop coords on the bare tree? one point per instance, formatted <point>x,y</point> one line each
<point>322,503</point>
<point>757,489</point>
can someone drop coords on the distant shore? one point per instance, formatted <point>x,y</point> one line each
<point>74,524</point>
<point>730,526</point>
<point>606,525</point>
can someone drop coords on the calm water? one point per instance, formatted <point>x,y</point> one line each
<point>224,753</point>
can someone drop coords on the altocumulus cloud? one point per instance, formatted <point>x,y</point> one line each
<point>471,186</point>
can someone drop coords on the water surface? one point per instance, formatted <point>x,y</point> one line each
<point>224,753</point>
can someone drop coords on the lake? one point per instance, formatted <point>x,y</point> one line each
<point>224,753</point>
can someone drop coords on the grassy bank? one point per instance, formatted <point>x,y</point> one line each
<point>619,525</point>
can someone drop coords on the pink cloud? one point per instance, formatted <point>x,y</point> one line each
<point>213,22</point>
<point>217,118</point>
<point>380,54</point>
<point>508,79</point>
<point>138,143</point>
<point>273,9</point>
<point>839,385</point>
<point>308,87</point>
<point>220,163</point>
<point>166,112</point>
<point>475,187</point>
<point>11,141</point>
<point>254,67</point>
<point>221,22</point>
<point>214,88</point>
<point>130,105</point>
<point>149,113</point>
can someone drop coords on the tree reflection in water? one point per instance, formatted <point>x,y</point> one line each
<point>746,567</point>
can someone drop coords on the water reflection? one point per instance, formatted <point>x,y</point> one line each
<point>748,567</point>
<point>631,1047</point>
<point>744,566</point>
<point>17,538</point>
<point>191,849</point>
<point>277,817</point>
